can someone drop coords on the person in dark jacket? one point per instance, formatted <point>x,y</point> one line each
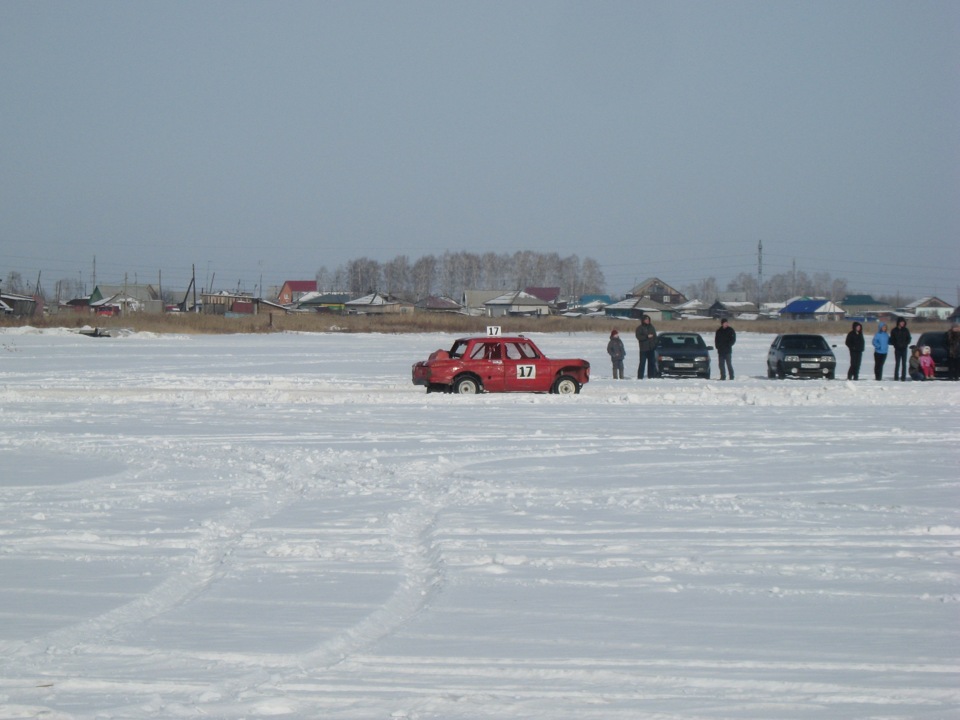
<point>913,365</point>
<point>855,343</point>
<point>647,337</point>
<point>881,344</point>
<point>617,352</point>
<point>724,340</point>
<point>953,351</point>
<point>900,339</point>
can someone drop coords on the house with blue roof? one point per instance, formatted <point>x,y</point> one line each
<point>812,309</point>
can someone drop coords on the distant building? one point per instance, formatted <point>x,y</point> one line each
<point>326,302</point>
<point>864,308</point>
<point>438,304</point>
<point>516,302</point>
<point>634,308</point>
<point>129,297</point>
<point>929,308</point>
<point>293,290</point>
<point>229,304</point>
<point>692,308</point>
<point>474,302</point>
<point>812,309</point>
<point>18,305</point>
<point>732,309</point>
<point>657,290</point>
<point>377,304</point>
<point>550,295</point>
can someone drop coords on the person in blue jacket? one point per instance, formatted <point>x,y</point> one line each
<point>881,345</point>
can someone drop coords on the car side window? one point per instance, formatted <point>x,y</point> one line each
<point>513,352</point>
<point>525,351</point>
<point>486,351</point>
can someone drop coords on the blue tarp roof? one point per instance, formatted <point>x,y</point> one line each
<point>803,306</point>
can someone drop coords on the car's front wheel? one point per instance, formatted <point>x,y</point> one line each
<point>566,385</point>
<point>781,373</point>
<point>466,385</point>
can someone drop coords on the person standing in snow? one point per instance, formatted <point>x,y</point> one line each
<point>881,346</point>
<point>855,344</point>
<point>953,351</point>
<point>724,339</point>
<point>900,339</point>
<point>647,337</point>
<point>617,353</point>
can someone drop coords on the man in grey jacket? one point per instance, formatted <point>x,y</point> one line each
<point>647,337</point>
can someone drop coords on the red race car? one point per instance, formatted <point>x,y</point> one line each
<point>499,364</point>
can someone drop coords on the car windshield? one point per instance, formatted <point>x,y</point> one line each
<point>458,347</point>
<point>689,342</point>
<point>804,342</point>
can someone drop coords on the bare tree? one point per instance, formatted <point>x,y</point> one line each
<point>745,283</point>
<point>705,290</point>
<point>15,284</point>
<point>397,277</point>
<point>424,276</point>
<point>592,277</point>
<point>363,275</point>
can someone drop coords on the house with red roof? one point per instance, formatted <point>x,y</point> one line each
<point>293,290</point>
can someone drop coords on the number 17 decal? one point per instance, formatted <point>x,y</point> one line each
<point>526,372</point>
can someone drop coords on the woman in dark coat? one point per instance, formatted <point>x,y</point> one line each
<point>855,344</point>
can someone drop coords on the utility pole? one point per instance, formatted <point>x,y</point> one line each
<point>759,274</point>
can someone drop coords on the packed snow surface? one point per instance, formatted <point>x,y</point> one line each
<point>282,525</point>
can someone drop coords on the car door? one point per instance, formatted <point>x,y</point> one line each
<point>523,368</point>
<point>486,360</point>
<point>772,355</point>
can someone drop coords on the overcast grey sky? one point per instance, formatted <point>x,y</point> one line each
<point>660,138</point>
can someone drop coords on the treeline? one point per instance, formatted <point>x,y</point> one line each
<point>453,272</point>
<point>783,286</point>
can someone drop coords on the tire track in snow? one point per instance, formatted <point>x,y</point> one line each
<point>210,547</point>
<point>418,555</point>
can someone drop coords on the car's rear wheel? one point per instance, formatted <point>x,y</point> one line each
<point>566,385</point>
<point>466,385</point>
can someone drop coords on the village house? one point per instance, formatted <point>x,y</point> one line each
<point>438,304</point>
<point>293,290</point>
<point>634,308</point>
<point>124,298</point>
<point>812,309</point>
<point>229,304</point>
<point>928,308</point>
<point>377,304</point>
<point>656,289</point>
<point>864,308</point>
<point>516,302</point>
<point>323,302</point>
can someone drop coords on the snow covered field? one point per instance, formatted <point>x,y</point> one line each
<point>284,526</point>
